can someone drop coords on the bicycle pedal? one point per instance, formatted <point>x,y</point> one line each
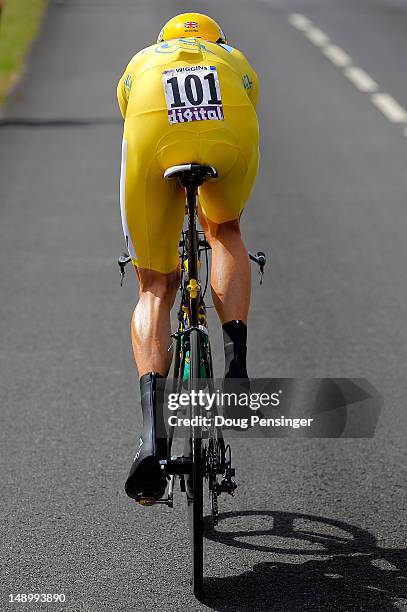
<point>147,501</point>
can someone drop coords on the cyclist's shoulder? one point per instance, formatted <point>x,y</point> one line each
<point>234,57</point>
<point>233,54</point>
<point>141,57</point>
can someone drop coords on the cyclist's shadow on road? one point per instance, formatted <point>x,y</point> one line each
<point>335,566</point>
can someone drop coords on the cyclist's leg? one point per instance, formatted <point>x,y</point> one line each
<point>222,202</point>
<point>230,274</point>
<point>150,324</point>
<point>231,285</point>
<point>152,215</point>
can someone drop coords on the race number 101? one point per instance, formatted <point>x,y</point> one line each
<point>192,93</point>
<point>194,90</point>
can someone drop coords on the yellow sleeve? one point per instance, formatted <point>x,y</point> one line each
<point>249,77</point>
<point>122,100</point>
<point>123,89</point>
<point>125,84</point>
<point>253,92</point>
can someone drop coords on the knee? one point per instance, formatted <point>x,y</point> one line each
<point>222,231</point>
<point>163,286</point>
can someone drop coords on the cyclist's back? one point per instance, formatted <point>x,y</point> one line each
<point>185,100</point>
<point>239,80</point>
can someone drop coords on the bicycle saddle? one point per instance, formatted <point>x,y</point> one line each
<point>194,174</point>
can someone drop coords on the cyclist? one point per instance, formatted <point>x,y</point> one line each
<point>189,98</point>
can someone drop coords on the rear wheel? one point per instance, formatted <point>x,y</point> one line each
<point>195,493</point>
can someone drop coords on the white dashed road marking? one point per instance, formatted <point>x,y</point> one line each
<point>361,79</point>
<point>390,108</point>
<point>299,21</point>
<point>337,56</point>
<point>316,36</point>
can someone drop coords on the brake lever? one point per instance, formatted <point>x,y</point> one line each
<point>260,260</point>
<point>122,262</point>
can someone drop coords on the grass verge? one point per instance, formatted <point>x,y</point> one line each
<point>19,23</point>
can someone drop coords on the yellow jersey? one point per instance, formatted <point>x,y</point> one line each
<point>139,92</point>
<point>184,100</point>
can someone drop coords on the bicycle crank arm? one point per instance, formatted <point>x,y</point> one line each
<point>168,501</point>
<point>177,465</point>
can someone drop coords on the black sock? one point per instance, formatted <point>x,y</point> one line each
<point>235,344</point>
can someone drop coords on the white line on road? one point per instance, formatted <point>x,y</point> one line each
<point>361,79</point>
<point>337,56</point>
<point>389,107</point>
<point>316,36</point>
<point>299,21</point>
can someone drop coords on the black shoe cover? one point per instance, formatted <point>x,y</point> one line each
<point>236,379</point>
<point>146,479</point>
<point>235,346</point>
<point>241,387</point>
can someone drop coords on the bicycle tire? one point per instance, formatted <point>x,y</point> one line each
<point>195,501</point>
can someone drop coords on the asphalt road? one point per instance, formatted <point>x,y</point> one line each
<point>330,209</point>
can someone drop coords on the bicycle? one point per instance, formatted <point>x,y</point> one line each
<point>206,456</point>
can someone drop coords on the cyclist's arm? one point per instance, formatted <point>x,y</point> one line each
<point>123,90</point>
<point>121,98</point>
<point>249,77</point>
<point>253,93</point>
<point>126,82</point>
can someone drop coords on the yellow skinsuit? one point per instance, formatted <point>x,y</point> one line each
<point>184,100</point>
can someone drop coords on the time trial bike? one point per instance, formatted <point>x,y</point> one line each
<point>206,459</point>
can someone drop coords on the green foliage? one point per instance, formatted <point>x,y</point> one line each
<point>19,23</point>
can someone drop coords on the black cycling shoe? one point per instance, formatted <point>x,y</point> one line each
<point>146,481</point>
<point>242,410</point>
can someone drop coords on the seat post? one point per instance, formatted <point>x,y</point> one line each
<point>191,188</point>
<point>192,192</point>
<point>191,176</point>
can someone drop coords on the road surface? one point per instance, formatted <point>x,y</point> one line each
<point>330,209</point>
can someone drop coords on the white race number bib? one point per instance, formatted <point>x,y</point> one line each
<point>193,93</point>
